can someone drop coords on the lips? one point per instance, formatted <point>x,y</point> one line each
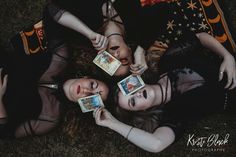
<point>145,94</point>
<point>78,89</point>
<point>124,61</point>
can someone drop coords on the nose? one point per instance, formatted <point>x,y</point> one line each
<point>87,91</point>
<point>116,54</point>
<point>138,94</point>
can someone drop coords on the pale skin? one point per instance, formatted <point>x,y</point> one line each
<point>227,67</point>
<point>163,136</point>
<point>3,85</point>
<point>100,42</point>
<point>69,20</point>
<point>88,86</point>
<point>154,142</point>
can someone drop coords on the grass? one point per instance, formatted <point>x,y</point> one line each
<point>92,140</point>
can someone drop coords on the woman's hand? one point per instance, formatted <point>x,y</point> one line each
<point>99,41</point>
<point>3,84</point>
<point>140,64</point>
<point>229,68</point>
<point>103,117</point>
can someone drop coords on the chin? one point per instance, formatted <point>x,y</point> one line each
<point>123,71</point>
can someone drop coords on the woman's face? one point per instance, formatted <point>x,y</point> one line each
<point>123,53</point>
<point>141,100</point>
<point>78,88</point>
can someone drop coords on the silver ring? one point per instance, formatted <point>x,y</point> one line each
<point>221,72</point>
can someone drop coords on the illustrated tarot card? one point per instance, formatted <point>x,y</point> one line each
<point>90,103</point>
<point>131,84</point>
<point>107,62</point>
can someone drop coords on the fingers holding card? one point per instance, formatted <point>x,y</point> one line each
<point>107,62</point>
<point>90,103</point>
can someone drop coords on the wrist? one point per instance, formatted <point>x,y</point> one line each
<point>227,56</point>
<point>115,124</point>
<point>92,35</point>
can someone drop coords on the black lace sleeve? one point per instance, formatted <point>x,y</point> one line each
<point>54,11</point>
<point>179,53</point>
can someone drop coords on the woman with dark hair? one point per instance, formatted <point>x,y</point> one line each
<point>156,116</point>
<point>33,88</point>
<point>65,23</point>
<point>107,24</point>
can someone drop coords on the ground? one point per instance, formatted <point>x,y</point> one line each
<point>92,140</point>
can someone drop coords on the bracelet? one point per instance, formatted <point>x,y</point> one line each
<point>129,132</point>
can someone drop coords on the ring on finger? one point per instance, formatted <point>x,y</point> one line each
<point>221,72</point>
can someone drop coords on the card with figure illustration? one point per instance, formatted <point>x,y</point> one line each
<point>131,84</point>
<point>107,62</point>
<point>90,103</point>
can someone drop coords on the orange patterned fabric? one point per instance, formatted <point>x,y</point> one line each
<point>197,16</point>
<point>151,2</point>
<point>30,40</point>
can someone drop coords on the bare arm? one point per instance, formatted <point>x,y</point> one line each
<point>212,44</point>
<point>68,20</point>
<point>3,86</point>
<point>228,65</point>
<point>140,64</point>
<point>155,142</point>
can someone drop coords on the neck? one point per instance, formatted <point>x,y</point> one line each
<point>113,29</point>
<point>160,94</point>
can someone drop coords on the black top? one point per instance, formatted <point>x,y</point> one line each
<point>165,22</point>
<point>190,67</point>
<point>21,99</point>
<point>192,106</point>
<point>142,24</point>
<point>89,12</point>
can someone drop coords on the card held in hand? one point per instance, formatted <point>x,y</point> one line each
<point>131,84</point>
<point>107,62</point>
<point>90,103</point>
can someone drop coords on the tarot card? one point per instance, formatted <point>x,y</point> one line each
<point>107,62</point>
<point>90,103</point>
<point>131,84</point>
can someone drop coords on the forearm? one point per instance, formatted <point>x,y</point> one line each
<point>140,138</point>
<point>212,44</point>
<point>3,113</point>
<point>70,21</point>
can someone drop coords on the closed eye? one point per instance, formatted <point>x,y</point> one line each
<point>131,102</point>
<point>93,85</point>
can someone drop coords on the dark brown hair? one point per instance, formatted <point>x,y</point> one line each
<point>147,120</point>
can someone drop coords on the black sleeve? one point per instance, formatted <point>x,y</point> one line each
<point>152,23</point>
<point>180,53</point>
<point>54,11</point>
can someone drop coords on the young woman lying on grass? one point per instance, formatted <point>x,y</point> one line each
<point>156,116</point>
<point>33,89</point>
